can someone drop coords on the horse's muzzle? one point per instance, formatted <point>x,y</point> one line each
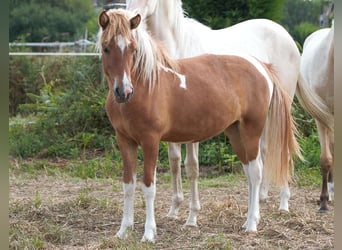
<point>123,94</point>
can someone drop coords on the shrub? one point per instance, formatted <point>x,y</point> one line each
<point>68,111</point>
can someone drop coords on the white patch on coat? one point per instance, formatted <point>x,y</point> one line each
<point>180,76</point>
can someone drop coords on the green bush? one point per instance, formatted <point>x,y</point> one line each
<point>303,30</point>
<point>69,114</point>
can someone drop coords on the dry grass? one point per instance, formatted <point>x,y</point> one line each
<point>60,212</point>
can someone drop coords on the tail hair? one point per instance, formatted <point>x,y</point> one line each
<point>313,104</point>
<point>281,136</point>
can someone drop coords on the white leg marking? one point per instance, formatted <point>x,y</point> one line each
<point>284,198</point>
<point>254,170</point>
<point>150,223</point>
<point>331,191</point>
<point>128,210</point>
<point>191,166</point>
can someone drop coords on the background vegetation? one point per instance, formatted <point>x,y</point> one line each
<point>57,104</point>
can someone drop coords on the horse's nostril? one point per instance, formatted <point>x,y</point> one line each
<point>117,91</point>
<point>129,95</point>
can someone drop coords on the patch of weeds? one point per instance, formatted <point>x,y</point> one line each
<point>218,241</point>
<point>20,239</point>
<point>37,202</point>
<point>116,187</point>
<point>164,178</point>
<point>102,167</point>
<point>308,177</point>
<point>34,167</point>
<point>227,180</point>
<point>35,235</point>
<point>132,242</point>
<point>55,234</point>
<point>83,200</point>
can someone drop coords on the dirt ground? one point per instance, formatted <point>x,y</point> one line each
<point>60,212</point>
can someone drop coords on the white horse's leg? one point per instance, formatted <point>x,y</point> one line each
<point>245,169</point>
<point>254,173</point>
<point>265,184</point>
<point>150,223</point>
<point>128,210</point>
<point>284,198</point>
<point>191,166</point>
<point>175,167</point>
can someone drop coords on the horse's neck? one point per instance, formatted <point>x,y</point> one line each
<point>182,36</point>
<point>162,24</point>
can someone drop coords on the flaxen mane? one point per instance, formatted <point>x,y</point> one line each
<point>150,56</point>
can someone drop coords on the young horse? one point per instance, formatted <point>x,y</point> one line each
<point>263,39</point>
<point>317,66</point>
<point>153,98</point>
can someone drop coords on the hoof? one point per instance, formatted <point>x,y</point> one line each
<point>172,216</point>
<point>188,224</point>
<point>252,234</point>
<point>149,235</point>
<point>283,211</point>
<point>323,210</point>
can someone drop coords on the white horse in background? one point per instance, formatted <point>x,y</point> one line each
<point>317,67</point>
<point>261,38</point>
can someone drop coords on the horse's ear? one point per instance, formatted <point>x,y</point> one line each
<point>103,19</point>
<point>135,21</point>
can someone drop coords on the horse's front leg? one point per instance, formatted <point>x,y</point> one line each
<point>150,152</point>
<point>128,149</point>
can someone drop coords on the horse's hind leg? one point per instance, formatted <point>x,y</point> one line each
<point>254,173</point>
<point>326,161</point>
<point>175,167</point>
<point>265,184</point>
<point>248,151</point>
<point>191,167</point>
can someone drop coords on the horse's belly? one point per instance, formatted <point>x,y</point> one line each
<point>195,131</point>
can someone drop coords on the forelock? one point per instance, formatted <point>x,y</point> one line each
<point>118,25</point>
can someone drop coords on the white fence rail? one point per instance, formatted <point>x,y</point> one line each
<point>53,54</point>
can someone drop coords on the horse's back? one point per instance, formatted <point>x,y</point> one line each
<point>261,38</point>
<point>317,64</point>
<point>315,38</point>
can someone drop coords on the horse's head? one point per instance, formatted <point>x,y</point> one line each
<point>118,48</point>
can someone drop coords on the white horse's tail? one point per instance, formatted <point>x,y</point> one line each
<point>313,104</point>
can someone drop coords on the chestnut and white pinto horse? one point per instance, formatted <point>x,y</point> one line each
<point>152,98</point>
<point>261,38</point>
<point>317,67</point>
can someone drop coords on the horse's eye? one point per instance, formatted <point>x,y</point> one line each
<point>106,50</point>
